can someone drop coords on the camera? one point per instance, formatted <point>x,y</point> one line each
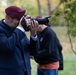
<point>44,20</point>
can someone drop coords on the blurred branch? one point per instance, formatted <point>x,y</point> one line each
<point>70,40</point>
<point>49,6</point>
<point>51,12</point>
<point>39,7</point>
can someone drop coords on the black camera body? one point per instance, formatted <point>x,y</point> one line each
<point>44,20</point>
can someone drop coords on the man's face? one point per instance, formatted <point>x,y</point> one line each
<point>13,23</point>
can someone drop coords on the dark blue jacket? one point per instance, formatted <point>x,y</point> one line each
<point>14,51</point>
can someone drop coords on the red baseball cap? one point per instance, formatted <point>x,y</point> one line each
<point>14,12</point>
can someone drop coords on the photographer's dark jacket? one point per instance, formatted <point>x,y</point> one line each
<point>14,51</point>
<point>48,48</point>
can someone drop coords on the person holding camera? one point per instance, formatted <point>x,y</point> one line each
<point>47,51</point>
<point>14,44</point>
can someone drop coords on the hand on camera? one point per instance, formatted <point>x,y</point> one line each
<point>33,27</point>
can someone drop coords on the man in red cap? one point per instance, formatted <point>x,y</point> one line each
<point>14,44</point>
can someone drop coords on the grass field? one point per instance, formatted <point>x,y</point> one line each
<point>69,56</point>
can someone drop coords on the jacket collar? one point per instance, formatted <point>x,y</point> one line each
<point>4,25</point>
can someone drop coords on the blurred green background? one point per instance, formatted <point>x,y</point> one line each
<point>58,24</point>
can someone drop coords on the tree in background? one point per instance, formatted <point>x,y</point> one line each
<point>30,6</point>
<point>70,16</point>
<point>49,7</point>
<point>45,8</point>
<point>39,7</point>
